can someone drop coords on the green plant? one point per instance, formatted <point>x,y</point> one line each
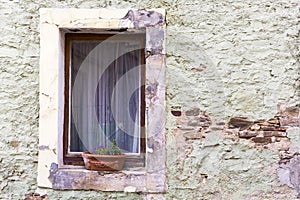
<point>112,150</point>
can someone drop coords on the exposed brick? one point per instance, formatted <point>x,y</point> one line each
<point>247,134</point>
<point>274,133</point>
<point>273,128</point>
<point>261,139</point>
<point>255,127</point>
<point>273,121</point>
<point>239,122</point>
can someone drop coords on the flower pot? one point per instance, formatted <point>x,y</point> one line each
<point>103,162</point>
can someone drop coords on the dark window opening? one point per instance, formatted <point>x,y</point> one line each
<point>104,95</point>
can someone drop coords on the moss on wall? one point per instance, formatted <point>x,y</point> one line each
<point>228,58</point>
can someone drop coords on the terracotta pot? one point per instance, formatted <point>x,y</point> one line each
<point>103,162</point>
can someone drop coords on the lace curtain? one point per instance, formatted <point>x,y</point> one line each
<point>105,95</point>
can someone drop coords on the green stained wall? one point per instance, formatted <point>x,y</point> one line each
<point>228,58</point>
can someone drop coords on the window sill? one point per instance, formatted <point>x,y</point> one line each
<point>127,180</point>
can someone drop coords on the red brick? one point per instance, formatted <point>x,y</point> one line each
<point>247,134</point>
<point>274,133</point>
<point>261,139</point>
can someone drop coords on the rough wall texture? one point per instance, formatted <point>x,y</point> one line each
<point>225,59</point>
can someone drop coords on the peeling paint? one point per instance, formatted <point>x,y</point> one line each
<point>43,147</point>
<point>144,18</point>
<point>52,172</point>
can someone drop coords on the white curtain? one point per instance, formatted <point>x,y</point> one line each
<point>105,95</point>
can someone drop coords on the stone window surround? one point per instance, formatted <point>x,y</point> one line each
<point>52,173</point>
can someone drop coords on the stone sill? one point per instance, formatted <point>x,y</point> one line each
<point>133,180</point>
<point>125,170</point>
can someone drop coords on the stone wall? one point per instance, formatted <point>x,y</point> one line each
<point>232,75</point>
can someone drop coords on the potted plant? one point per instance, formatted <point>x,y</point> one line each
<point>104,159</point>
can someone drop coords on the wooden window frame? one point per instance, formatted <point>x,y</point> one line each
<point>76,159</point>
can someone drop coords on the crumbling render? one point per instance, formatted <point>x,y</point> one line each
<point>289,173</point>
<point>264,134</point>
<point>272,134</point>
<point>144,18</point>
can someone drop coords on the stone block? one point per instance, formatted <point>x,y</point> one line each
<point>156,183</point>
<point>273,128</point>
<point>290,121</point>
<point>155,40</point>
<point>264,140</point>
<point>274,133</point>
<point>199,121</point>
<point>289,116</point>
<point>247,134</point>
<point>289,174</point>
<point>239,122</point>
<point>193,135</point>
<point>273,121</point>
<point>193,112</point>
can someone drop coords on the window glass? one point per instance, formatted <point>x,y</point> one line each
<point>105,93</point>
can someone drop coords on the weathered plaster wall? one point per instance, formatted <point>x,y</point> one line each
<point>227,58</point>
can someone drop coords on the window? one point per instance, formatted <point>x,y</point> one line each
<point>104,97</point>
<point>92,63</point>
